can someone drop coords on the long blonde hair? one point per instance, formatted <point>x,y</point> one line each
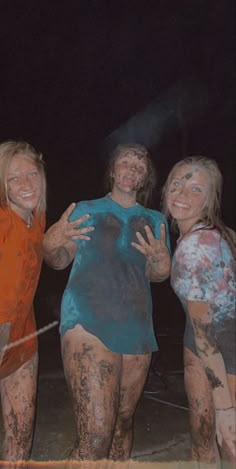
<point>211,213</point>
<point>8,150</point>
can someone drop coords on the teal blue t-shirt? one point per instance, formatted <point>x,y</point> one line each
<point>107,291</point>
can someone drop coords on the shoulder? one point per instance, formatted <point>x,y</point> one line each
<point>200,246</point>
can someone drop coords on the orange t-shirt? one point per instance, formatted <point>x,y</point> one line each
<point>20,266</point>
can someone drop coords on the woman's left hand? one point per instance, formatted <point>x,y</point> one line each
<point>155,249</point>
<point>156,252</point>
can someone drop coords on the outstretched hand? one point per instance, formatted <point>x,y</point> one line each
<point>156,252</point>
<point>58,246</point>
<point>154,249</point>
<point>64,230</point>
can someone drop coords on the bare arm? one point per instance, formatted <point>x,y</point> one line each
<point>157,254</point>
<point>208,350</point>
<point>58,246</point>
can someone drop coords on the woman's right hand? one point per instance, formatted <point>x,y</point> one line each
<point>64,230</point>
<point>226,430</point>
<point>59,247</point>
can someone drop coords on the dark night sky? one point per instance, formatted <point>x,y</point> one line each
<point>74,71</point>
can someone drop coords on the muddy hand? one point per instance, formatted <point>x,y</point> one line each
<point>155,249</point>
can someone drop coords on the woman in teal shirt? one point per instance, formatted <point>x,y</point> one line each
<point>106,314</point>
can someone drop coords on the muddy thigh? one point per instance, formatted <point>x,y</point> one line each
<point>93,375</point>
<point>18,395</point>
<point>201,407</point>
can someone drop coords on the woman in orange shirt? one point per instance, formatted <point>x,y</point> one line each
<point>22,223</point>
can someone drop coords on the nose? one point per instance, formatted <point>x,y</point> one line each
<point>132,168</point>
<point>182,189</point>
<point>26,182</point>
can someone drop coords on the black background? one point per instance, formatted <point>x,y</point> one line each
<point>77,76</point>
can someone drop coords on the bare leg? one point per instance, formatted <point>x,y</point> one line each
<point>228,455</point>
<point>93,375</point>
<point>18,395</point>
<point>201,407</point>
<point>134,374</point>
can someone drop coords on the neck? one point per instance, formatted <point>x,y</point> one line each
<point>29,220</point>
<point>185,227</point>
<point>124,199</point>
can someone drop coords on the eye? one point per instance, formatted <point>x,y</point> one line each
<point>124,162</point>
<point>13,179</point>
<point>176,183</point>
<point>196,189</point>
<point>141,170</point>
<point>33,174</point>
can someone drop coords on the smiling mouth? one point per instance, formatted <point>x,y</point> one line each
<point>28,195</point>
<point>181,205</point>
<point>129,180</point>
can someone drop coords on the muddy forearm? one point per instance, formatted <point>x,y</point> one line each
<point>58,258</point>
<point>158,268</point>
<point>58,252</point>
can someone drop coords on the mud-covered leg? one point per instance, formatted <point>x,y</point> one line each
<point>93,376</point>
<point>18,395</point>
<point>134,374</point>
<point>228,451</point>
<point>201,408</point>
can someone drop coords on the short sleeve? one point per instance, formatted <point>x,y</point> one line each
<point>195,268</point>
<point>9,268</point>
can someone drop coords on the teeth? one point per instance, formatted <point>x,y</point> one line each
<point>27,195</point>
<point>179,204</point>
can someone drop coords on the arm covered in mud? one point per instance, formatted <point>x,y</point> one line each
<point>157,254</point>
<point>213,362</point>
<point>58,246</point>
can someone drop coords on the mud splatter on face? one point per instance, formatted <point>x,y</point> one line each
<point>187,176</point>
<point>190,174</point>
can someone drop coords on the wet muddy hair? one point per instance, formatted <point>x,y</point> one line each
<point>8,150</point>
<point>211,213</point>
<point>145,193</point>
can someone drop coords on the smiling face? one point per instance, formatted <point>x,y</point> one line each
<point>24,185</point>
<point>187,195</point>
<point>128,174</point>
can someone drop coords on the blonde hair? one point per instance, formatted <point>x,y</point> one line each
<point>211,212</point>
<point>7,152</point>
<point>144,194</point>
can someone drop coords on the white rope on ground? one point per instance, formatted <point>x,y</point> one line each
<point>171,404</point>
<point>30,336</point>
